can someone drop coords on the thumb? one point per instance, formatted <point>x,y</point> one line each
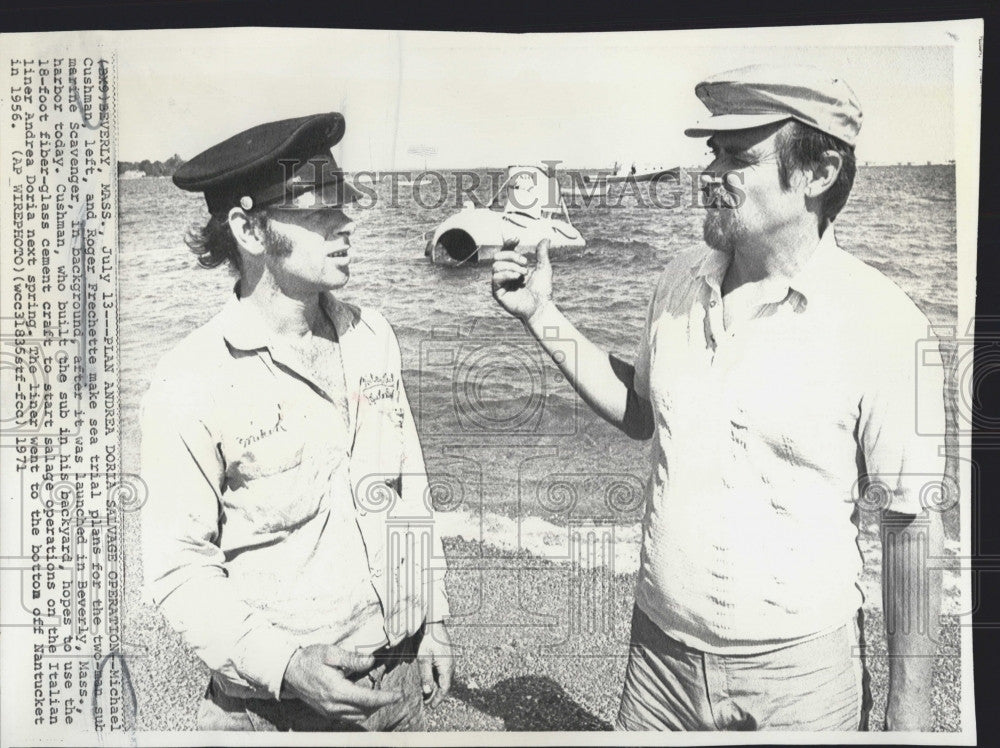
<point>542,254</point>
<point>351,662</point>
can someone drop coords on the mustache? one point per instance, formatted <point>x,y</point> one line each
<point>720,197</point>
<point>722,190</point>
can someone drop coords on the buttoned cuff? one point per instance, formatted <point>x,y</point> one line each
<point>264,656</point>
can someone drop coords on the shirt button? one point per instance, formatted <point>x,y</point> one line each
<point>377,572</point>
<point>712,303</point>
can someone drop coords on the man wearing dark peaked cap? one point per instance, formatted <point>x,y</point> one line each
<point>289,532</point>
<point>777,378</point>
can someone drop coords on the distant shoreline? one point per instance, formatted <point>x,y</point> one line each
<point>128,169</point>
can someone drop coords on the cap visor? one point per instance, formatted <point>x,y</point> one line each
<point>721,122</point>
<point>331,195</point>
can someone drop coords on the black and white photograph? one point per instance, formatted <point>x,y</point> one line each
<point>591,385</point>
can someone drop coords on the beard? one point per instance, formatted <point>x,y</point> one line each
<point>275,243</point>
<point>723,229</point>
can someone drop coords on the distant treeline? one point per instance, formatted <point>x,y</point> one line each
<point>152,168</point>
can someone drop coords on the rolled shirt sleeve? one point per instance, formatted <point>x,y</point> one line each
<point>183,564</point>
<point>642,359</point>
<point>904,464</point>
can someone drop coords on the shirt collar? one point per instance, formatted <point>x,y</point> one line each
<point>809,279</point>
<point>815,275</point>
<point>245,329</point>
<point>711,267</point>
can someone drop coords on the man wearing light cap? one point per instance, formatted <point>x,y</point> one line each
<point>777,377</point>
<point>288,536</point>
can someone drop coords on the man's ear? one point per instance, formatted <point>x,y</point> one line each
<point>246,232</point>
<point>824,174</point>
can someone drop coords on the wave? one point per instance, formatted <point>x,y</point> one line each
<point>542,538</point>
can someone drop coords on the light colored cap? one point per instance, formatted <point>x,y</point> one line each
<point>763,94</point>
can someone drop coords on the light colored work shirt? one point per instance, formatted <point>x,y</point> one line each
<point>282,514</point>
<point>763,430</point>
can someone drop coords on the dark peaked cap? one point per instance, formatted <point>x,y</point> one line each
<point>272,163</point>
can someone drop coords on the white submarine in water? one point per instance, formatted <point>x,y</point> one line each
<point>534,210</point>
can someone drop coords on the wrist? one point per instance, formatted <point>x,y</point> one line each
<point>535,321</point>
<point>288,690</point>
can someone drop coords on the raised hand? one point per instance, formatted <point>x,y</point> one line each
<point>521,290</point>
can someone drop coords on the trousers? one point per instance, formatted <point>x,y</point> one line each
<point>396,667</point>
<point>817,684</point>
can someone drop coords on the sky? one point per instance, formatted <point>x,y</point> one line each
<point>497,99</point>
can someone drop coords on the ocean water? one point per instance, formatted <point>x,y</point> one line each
<point>502,432</point>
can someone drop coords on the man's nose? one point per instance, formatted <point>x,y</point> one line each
<point>717,163</point>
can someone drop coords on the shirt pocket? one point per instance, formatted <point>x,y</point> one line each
<point>272,457</point>
<point>266,444</point>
